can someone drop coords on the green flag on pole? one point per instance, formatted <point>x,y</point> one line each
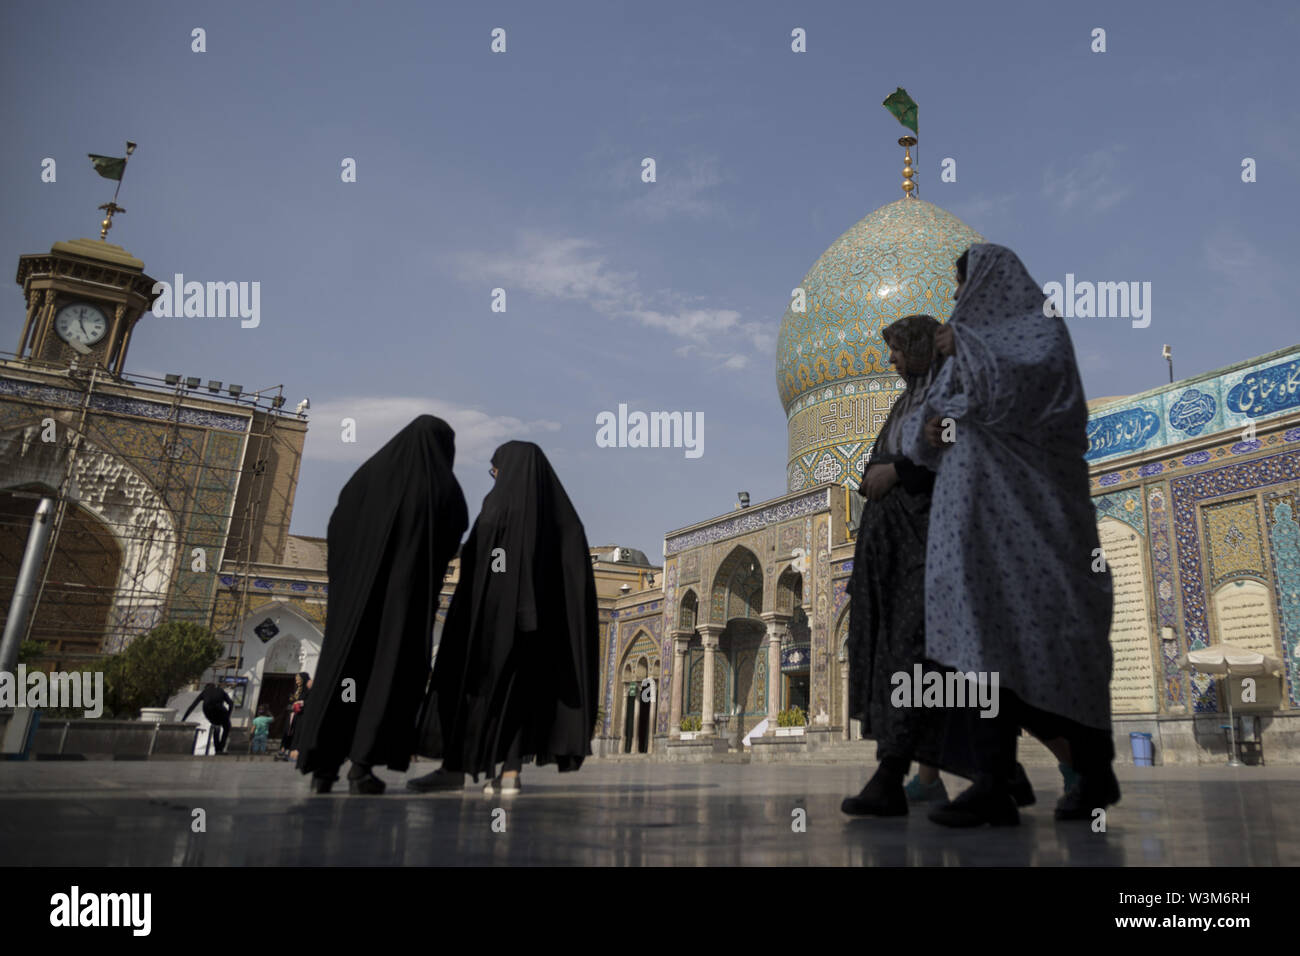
<point>903,107</point>
<point>109,167</point>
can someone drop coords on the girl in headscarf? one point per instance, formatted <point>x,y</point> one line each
<point>1010,582</point>
<point>516,673</point>
<point>396,526</point>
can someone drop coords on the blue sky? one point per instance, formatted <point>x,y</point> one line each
<point>522,170</point>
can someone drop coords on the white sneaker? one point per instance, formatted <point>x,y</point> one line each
<point>506,786</point>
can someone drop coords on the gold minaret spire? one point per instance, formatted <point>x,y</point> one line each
<point>909,187</point>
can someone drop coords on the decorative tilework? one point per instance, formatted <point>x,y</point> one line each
<point>1125,506</point>
<point>1121,432</point>
<point>1175,678</point>
<point>840,591</point>
<point>1234,545</point>
<point>689,568</point>
<point>821,698</point>
<point>1187,492</point>
<point>69,398</point>
<point>1227,400</point>
<point>1267,390</point>
<point>733,577</point>
<point>750,520</point>
<point>896,261</point>
<point>1284,540</point>
<point>1192,411</point>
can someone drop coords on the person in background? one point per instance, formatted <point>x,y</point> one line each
<point>296,702</point>
<point>261,731</point>
<point>217,707</point>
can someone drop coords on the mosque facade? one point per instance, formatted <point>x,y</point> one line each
<point>1197,490</point>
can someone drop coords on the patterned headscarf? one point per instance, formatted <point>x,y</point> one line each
<point>1015,372</point>
<point>913,335</point>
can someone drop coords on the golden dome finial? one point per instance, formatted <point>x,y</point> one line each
<point>909,187</point>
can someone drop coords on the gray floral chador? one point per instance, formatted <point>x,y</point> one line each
<point>1010,580</point>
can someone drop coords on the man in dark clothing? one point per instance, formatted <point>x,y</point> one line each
<point>217,707</point>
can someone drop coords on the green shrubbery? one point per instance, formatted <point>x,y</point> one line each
<point>157,665</point>
<point>793,717</point>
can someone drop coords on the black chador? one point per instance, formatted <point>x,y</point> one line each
<point>517,670</point>
<point>396,526</point>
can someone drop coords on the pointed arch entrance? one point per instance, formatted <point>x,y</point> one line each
<point>639,694</point>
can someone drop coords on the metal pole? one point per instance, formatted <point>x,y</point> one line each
<point>25,588</point>
<point>1232,724</point>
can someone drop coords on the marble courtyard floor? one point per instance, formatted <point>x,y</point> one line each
<point>615,812</point>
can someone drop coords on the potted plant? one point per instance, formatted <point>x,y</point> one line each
<point>790,722</point>
<point>690,727</point>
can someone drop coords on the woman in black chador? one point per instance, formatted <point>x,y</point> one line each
<point>517,670</point>
<point>396,526</point>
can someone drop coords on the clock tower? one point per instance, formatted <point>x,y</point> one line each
<point>84,298</point>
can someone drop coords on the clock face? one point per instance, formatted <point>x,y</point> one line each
<point>81,323</point>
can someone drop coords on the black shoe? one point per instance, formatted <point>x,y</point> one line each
<point>883,796</point>
<point>367,784</point>
<point>320,784</point>
<point>977,805</point>
<point>1021,790</point>
<point>1091,792</point>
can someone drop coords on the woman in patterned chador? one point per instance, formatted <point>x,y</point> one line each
<point>1013,584</point>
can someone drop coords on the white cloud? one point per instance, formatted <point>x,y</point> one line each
<point>576,269</point>
<point>694,324</point>
<point>679,190</point>
<point>978,211</point>
<point>378,418</point>
<point>1094,185</point>
<point>1248,277</point>
<point>555,268</point>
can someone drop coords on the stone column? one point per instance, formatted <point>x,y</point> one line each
<point>679,688</point>
<point>656,688</point>
<point>777,626</point>
<point>844,695</point>
<point>636,722</point>
<point>709,634</point>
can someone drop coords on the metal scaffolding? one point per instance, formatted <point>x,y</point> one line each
<point>80,591</point>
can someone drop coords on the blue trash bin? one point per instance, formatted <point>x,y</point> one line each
<point>1143,749</point>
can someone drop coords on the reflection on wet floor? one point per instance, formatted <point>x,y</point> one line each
<point>620,814</point>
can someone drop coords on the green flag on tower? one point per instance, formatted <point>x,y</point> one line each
<point>903,107</point>
<point>109,167</point>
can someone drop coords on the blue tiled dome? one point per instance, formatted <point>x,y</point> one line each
<point>895,262</point>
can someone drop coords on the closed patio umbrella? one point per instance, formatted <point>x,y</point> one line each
<point>1228,660</point>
